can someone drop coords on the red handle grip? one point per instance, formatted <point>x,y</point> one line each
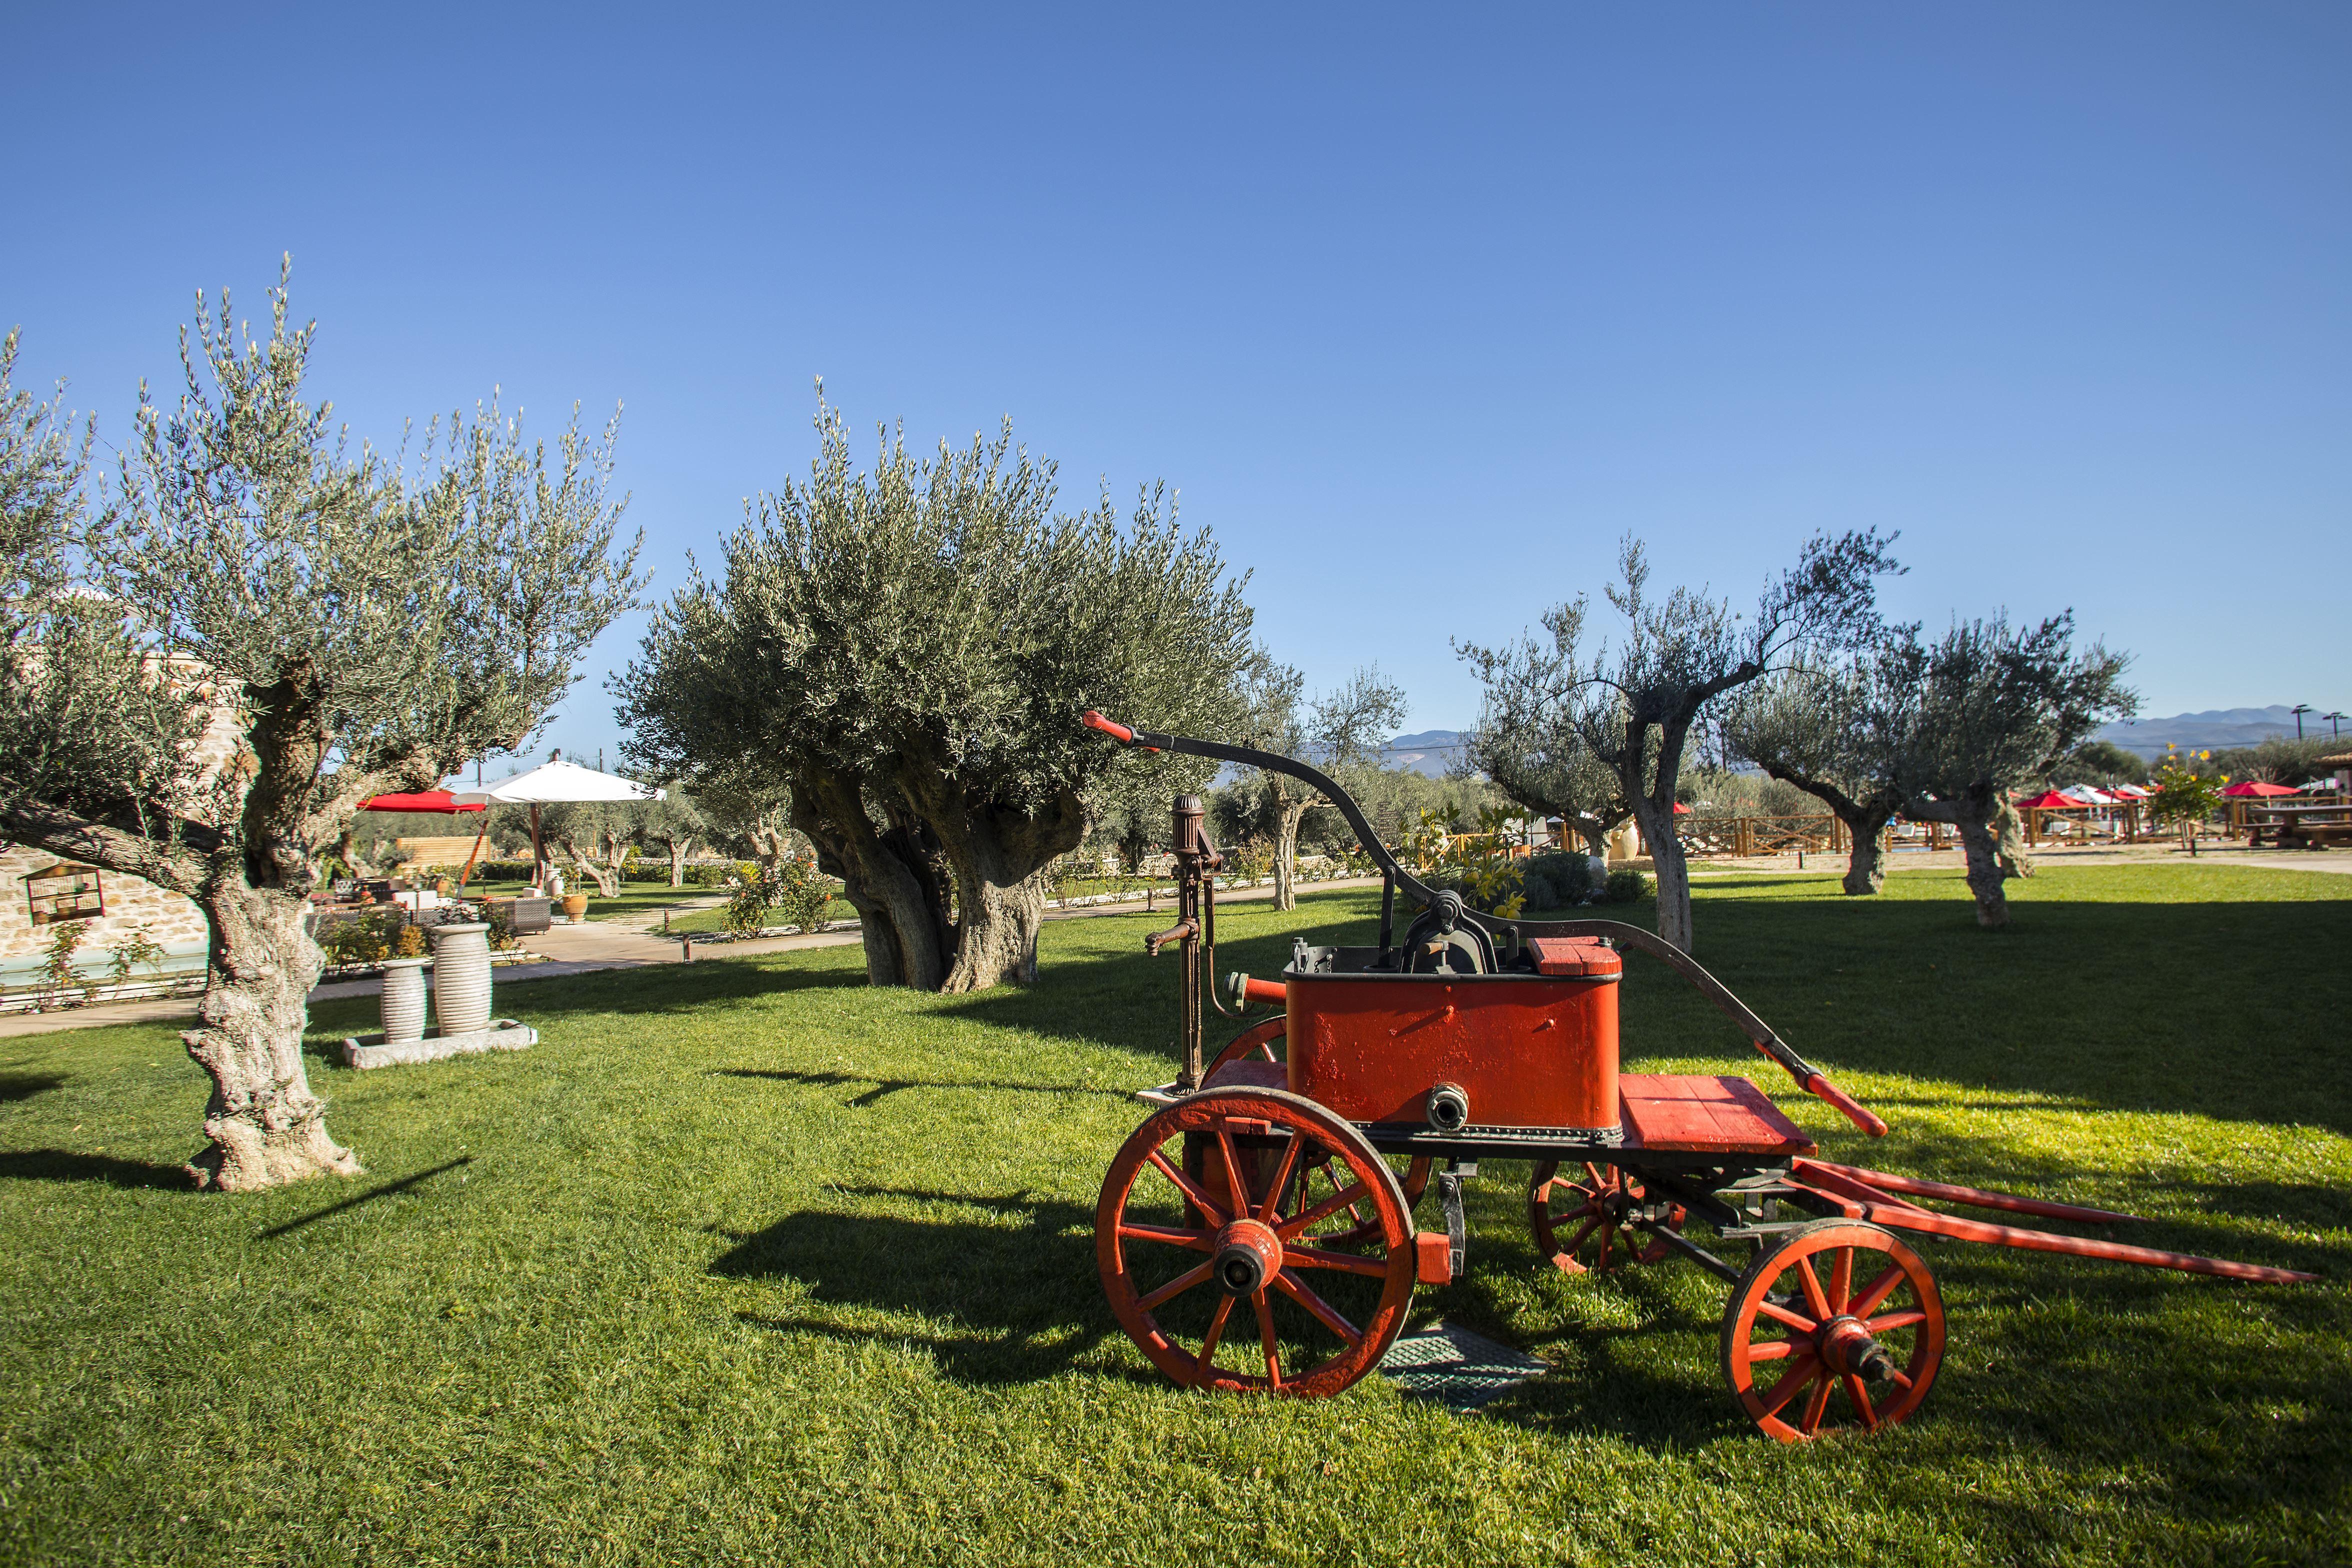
<point>1821,1088</point>
<point>1119,732</point>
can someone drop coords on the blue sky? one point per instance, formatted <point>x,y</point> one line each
<point>1419,309</point>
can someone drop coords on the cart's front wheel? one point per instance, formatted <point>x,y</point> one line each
<point>1230,1281</point>
<point>1580,1218</point>
<point>1839,1312</point>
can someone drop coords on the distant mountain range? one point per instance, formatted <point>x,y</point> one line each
<point>1431,751</point>
<point>2208,730</point>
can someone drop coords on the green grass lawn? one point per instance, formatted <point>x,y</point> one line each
<point>747,1262</point>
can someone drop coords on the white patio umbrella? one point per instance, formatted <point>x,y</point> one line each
<point>548,784</point>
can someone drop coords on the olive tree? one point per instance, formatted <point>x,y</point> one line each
<point>1528,740</point>
<point>267,629</point>
<point>677,822</point>
<point>1996,706</point>
<point>1340,731</point>
<point>596,837</point>
<point>1834,729</point>
<point>1634,703</point>
<point>908,650</point>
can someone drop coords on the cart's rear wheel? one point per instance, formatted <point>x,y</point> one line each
<point>1839,1314</point>
<point>1265,1041</point>
<point>1228,1282</point>
<point>1579,1219</point>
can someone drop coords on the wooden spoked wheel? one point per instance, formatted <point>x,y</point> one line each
<point>1579,1219</point>
<point>1845,1323</point>
<point>1264,1042</point>
<point>1230,1281</point>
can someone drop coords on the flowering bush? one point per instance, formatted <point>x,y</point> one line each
<point>2184,796</point>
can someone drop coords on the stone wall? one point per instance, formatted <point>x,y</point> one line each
<point>173,921</point>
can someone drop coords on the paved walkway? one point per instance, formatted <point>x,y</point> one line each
<point>629,943</point>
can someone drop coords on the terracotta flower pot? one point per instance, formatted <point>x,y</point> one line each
<point>575,905</point>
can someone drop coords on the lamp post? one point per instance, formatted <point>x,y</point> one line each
<point>2299,710</point>
<point>2335,725</point>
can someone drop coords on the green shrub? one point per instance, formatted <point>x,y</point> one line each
<point>1627,886</point>
<point>706,876</point>
<point>793,889</point>
<point>363,938</point>
<point>1557,881</point>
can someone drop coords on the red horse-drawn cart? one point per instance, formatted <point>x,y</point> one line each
<point>1256,1231</point>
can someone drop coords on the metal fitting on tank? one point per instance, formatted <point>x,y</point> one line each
<point>1449,1108</point>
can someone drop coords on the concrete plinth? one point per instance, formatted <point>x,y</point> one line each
<point>375,1051</point>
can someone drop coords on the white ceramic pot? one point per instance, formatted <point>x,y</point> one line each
<point>461,977</point>
<point>403,999</point>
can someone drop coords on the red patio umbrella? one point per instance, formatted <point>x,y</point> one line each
<point>434,800</point>
<point>2256,787</point>
<point>2051,800</point>
<point>439,800</point>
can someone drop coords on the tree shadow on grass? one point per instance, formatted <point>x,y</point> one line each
<point>16,1086</point>
<point>1127,999</point>
<point>68,1166</point>
<point>884,1087</point>
<point>1014,1301</point>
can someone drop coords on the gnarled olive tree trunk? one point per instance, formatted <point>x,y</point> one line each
<point>2009,839</point>
<point>1287,818</point>
<point>887,875</point>
<point>1001,856</point>
<point>266,1126</point>
<point>1865,860</point>
<point>1971,814</point>
<point>1672,867</point>
<point>1593,830</point>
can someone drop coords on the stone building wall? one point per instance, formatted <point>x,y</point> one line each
<point>171,921</point>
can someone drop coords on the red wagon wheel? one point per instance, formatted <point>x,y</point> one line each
<point>1241,1262</point>
<point>1265,1041</point>
<point>1589,1210</point>
<point>1868,1335</point>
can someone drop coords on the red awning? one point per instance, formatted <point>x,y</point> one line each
<point>439,800</point>
<point>1680,810</point>
<point>2051,801</point>
<point>2257,788</point>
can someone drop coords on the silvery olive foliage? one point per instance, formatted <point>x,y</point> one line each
<point>1997,704</point>
<point>1340,732</point>
<point>907,649</point>
<point>1633,701</point>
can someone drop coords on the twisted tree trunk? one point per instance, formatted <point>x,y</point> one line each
<point>1287,818</point>
<point>1000,858</point>
<point>1671,866</point>
<point>1866,861</point>
<point>267,1128</point>
<point>886,877</point>
<point>2009,839</point>
<point>1971,814</point>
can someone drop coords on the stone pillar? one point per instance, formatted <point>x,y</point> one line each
<point>461,977</point>
<point>403,999</point>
